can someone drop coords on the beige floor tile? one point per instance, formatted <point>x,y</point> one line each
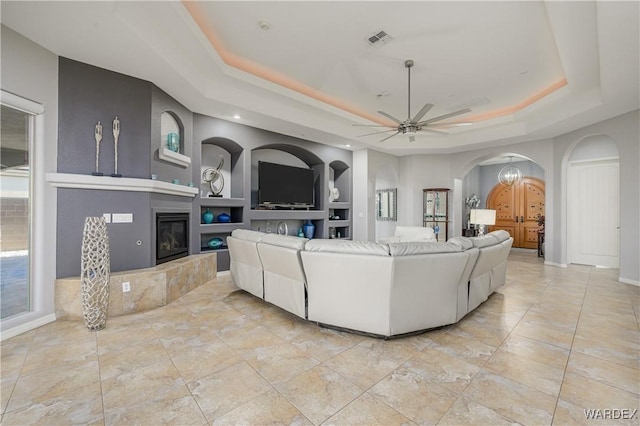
<point>279,363</point>
<point>269,408</point>
<point>625,378</point>
<point>511,399</point>
<point>369,361</point>
<point>468,349</point>
<point>321,343</point>
<point>114,364</point>
<point>569,414</point>
<point>467,412</point>
<point>57,397</point>
<point>228,389</point>
<point>524,370</point>
<point>592,394</point>
<point>67,354</point>
<point>139,385</point>
<point>319,393</point>
<point>535,350</point>
<point>544,333</point>
<point>414,396</point>
<point>175,407</point>
<point>367,410</point>
<point>480,332</point>
<point>618,352</point>
<point>439,367</point>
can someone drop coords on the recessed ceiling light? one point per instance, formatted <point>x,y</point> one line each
<point>348,146</point>
<point>264,25</point>
<point>236,116</point>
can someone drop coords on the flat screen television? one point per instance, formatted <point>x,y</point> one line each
<point>284,186</point>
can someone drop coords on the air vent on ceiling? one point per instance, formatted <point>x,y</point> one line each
<point>379,38</point>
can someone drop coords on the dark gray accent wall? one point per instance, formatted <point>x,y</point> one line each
<point>74,205</point>
<point>88,94</point>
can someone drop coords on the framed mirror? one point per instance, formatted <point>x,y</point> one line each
<point>386,204</point>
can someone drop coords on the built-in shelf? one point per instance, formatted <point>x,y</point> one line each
<point>286,214</point>
<point>108,183</point>
<point>219,228</point>
<point>221,202</point>
<point>174,157</point>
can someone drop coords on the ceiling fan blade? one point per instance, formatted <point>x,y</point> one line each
<point>377,133</point>
<point>426,129</point>
<point>468,123</point>
<point>425,109</point>
<point>390,117</point>
<point>370,125</point>
<point>442,117</point>
<point>388,137</point>
<point>412,138</point>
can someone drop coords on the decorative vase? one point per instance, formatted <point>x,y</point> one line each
<point>207,216</point>
<point>173,142</point>
<point>300,232</point>
<point>215,243</point>
<point>309,229</point>
<point>224,218</point>
<point>95,269</point>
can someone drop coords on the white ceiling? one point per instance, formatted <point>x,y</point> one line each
<point>528,70</point>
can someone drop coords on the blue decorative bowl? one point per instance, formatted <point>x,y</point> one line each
<point>215,243</point>
<point>224,218</point>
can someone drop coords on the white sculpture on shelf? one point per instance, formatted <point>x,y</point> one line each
<point>98,137</point>
<point>116,135</point>
<point>95,270</point>
<point>214,178</point>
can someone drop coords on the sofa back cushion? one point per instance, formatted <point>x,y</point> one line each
<point>484,241</point>
<point>347,246</point>
<point>500,235</point>
<point>415,233</point>
<point>295,243</point>
<point>427,247</point>
<point>248,235</point>
<point>464,242</point>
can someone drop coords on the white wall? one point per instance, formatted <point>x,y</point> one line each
<point>31,72</point>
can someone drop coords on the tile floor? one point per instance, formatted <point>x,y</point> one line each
<point>548,345</point>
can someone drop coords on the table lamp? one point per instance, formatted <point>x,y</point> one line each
<point>482,217</point>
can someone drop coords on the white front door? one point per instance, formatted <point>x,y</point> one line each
<point>593,217</point>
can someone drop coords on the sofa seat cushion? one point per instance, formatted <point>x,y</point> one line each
<point>248,235</point>
<point>287,241</point>
<point>347,246</point>
<point>427,247</point>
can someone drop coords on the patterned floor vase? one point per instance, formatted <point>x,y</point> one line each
<point>95,270</point>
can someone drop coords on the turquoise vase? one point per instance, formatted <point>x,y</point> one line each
<point>309,229</point>
<point>207,216</point>
<point>173,142</point>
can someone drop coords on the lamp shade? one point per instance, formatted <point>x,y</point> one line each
<point>483,217</point>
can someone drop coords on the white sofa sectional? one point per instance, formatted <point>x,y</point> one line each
<point>384,289</point>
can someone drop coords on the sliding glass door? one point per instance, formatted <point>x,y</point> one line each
<point>16,132</point>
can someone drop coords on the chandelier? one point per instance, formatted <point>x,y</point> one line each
<point>509,174</point>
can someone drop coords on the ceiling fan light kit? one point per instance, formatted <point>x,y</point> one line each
<point>411,126</point>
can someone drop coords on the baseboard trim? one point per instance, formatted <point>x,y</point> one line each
<point>223,273</point>
<point>28,326</point>
<point>629,281</point>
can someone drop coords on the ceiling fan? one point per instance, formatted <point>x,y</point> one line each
<point>411,126</point>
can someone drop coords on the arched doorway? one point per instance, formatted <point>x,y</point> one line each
<point>518,207</point>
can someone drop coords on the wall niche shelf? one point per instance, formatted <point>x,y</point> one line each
<point>174,157</point>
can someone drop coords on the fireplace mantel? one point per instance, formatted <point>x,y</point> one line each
<point>108,183</point>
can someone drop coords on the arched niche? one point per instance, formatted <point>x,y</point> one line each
<point>289,155</point>
<point>213,151</point>
<point>340,177</point>
<point>171,123</point>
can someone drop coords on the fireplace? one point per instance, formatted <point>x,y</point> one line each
<point>172,236</point>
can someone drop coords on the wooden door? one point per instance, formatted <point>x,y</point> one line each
<point>517,208</point>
